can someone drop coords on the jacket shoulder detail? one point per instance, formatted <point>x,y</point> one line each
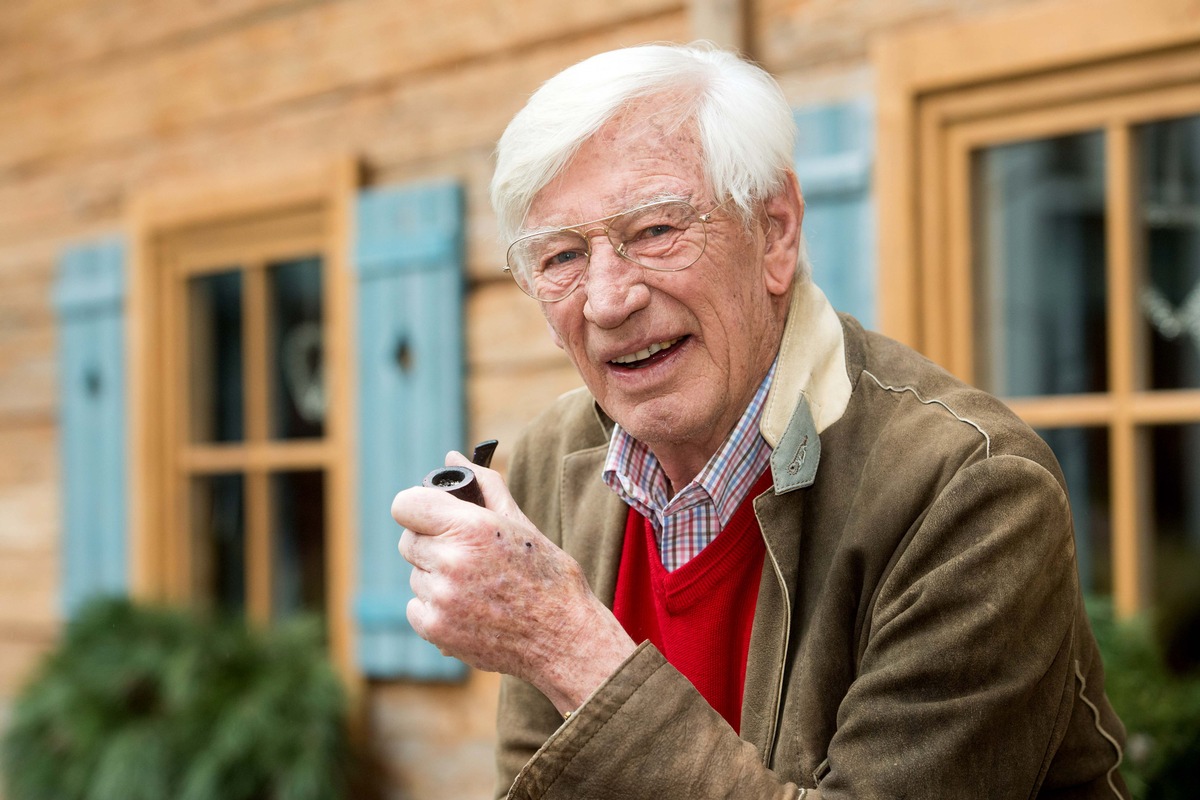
<point>935,402</point>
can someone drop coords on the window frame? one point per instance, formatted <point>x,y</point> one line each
<point>178,234</point>
<point>947,90</point>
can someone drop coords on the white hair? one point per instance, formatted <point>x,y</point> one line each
<point>744,123</point>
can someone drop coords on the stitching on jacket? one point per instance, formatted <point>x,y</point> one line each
<point>898,389</point>
<point>772,740</point>
<point>1111,739</point>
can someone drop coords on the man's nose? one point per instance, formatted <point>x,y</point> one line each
<point>615,286</point>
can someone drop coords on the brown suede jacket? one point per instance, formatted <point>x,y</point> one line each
<point>919,629</point>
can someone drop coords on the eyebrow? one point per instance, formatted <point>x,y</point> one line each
<point>660,197</point>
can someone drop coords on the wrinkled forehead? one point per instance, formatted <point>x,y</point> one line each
<point>636,204</point>
<point>631,161</point>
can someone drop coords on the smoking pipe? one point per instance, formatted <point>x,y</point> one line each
<point>460,481</point>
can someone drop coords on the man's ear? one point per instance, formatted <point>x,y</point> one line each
<point>784,212</point>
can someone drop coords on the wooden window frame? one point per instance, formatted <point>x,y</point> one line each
<point>179,234</point>
<point>947,90</point>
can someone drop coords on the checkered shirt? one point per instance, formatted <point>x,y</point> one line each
<point>685,523</point>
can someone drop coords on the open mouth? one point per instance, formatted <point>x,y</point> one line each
<point>650,355</point>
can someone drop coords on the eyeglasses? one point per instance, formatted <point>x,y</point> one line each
<point>665,236</point>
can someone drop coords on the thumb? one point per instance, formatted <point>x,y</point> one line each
<point>495,492</point>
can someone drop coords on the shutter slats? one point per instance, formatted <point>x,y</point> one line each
<point>408,258</point>
<point>89,298</point>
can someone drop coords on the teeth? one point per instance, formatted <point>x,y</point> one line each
<point>644,354</point>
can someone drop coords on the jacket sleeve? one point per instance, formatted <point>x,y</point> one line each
<point>967,682</point>
<point>525,720</point>
<point>647,732</point>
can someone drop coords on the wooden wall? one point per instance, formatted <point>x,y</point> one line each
<point>102,101</point>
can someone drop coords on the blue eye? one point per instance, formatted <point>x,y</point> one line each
<point>655,231</point>
<point>565,257</point>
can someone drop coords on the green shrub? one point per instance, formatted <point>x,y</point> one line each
<point>1159,706</point>
<point>150,703</point>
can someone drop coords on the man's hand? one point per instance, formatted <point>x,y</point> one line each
<point>491,590</point>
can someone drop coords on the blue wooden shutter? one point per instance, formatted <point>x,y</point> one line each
<point>834,148</point>
<point>89,296</point>
<point>409,258</point>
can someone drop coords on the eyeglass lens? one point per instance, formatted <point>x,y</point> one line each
<point>661,236</point>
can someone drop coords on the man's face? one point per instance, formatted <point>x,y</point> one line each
<point>718,322</point>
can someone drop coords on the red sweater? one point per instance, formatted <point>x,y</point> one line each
<point>700,615</point>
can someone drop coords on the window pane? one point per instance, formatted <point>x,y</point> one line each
<point>298,405</point>
<point>219,540</point>
<point>1175,515</point>
<point>1083,455</point>
<point>298,542</point>
<point>1039,272</point>
<point>215,357</point>
<point>1169,157</point>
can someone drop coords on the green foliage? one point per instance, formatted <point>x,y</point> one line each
<point>150,703</point>
<point>1159,706</point>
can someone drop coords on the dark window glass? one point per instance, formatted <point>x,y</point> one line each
<point>215,380</point>
<point>298,396</point>
<point>1083,455</point>
<point>1169,160</point>
<point>1039,271</point>
<point>1174,484</point>
<point>298,500</point>
<point>219,540</point>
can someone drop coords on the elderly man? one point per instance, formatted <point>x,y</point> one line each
<point>765,554</point>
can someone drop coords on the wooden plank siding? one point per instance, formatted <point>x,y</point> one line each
<point>48,36</point>
<point>798,36</point>
<point>319,54</point>
<point>410,128</point>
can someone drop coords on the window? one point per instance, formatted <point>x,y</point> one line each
<point>1040,201</point>
<point>241,457</point>
<point>284,386</point>
<point>246,330</point>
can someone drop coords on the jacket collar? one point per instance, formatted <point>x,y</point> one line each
<point>810,391</point>
<point>812,367</point>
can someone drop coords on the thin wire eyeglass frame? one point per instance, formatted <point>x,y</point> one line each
<point>586,228</point>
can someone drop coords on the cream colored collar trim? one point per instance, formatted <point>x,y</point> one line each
<point>812,363</point>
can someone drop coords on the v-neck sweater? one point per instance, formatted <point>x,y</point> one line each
<point>700,615</point>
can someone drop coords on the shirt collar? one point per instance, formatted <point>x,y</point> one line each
<point>634,472</point>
